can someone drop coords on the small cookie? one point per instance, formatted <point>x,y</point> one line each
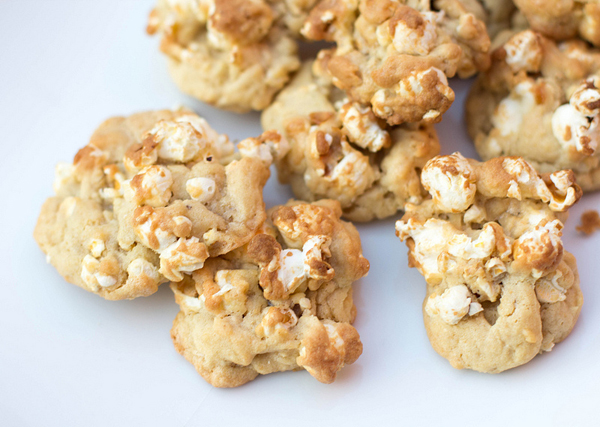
<point>500,287</point>
<point>540,100</point>
<point>397,55</point>
<point>560,19</point>
<point>234,54</point>
<point>150,198</point>
<point>341,150</point>
<point>282,302</point>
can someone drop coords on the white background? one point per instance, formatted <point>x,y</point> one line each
<point>70,358</point>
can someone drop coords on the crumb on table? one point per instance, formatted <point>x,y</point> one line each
<point>590,222</point>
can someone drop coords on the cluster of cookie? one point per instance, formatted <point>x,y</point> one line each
<point>161,197</point>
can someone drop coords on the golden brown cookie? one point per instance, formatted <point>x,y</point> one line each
<point>150,198</point>
<point>396,55</point>
<point>540,100</point>
<point>500,287</point>
<point>282,302</point>
<point>234,54</point>
<point>341,150</point>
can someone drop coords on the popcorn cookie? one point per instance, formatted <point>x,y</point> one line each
<point>234,54</point>
<point>341,150</point>
<point>540,100</point>
<point>560,19</point>
<point>282,302</point>
<point>500,287</point>
<point>396,55</point>
<point>148,200</point>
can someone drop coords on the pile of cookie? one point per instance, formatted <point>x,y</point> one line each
<point>162,197</point>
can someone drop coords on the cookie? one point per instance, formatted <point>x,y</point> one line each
<point>562,20</point>
<point>341,150</point>
<point>282,302</point>
<point>148,200</point>
<point>396,55</point>
<point>234,54</point>
<point>500,287</point>
<point>540,100</point>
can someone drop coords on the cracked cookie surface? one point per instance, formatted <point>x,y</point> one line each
<point>148,200</point>
<point>282,302</point>
<point>500,287</point>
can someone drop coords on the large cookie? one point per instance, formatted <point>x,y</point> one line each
<point>341,150</point>
<point>500,287</point>
<point>540,100</point>
<point>396,55</point>
<point>234,54</point>
<point>150,198</point>
<point>282,302</point>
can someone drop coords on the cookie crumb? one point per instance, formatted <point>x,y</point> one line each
<point>590,222</point>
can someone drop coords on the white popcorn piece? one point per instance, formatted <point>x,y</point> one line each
<point>96,247</point>
<point>361,126</point>
<point>409,89</point>
<point>200,188</point>
<point>140,267</point>
<point>538,242</point>
<point>291,272</point>
<point>151,186</point>
<point>508,115</point>
<point>576,124</point>
<point>567,196</point>
<point>573,129</point>
<point>334,336</point>
<point>221,144</point>
<point>153,236</point>
<point>92,277</point>
<point>251,147</point>
<point>63,174</point>
<point>586,98</point>
<point>465,247</point>
<point>68,205</point>
<point>451,182</point>
<point>453,305</point>
<point>177,141</point>
<point>523,173</point>
<point>270,146</point>
<point>183,256</point>
<point>548,290</point>
<point>277,319</point>
<point>294,264</point>
<point>524,52</point>
<point>418,41</point>
<point>223,283</point>
<point>430,240</point>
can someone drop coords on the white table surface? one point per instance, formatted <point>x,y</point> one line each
<point>70,358</point>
